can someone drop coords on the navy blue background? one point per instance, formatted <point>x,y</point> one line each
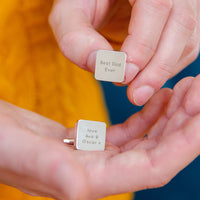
<point>186,185</point>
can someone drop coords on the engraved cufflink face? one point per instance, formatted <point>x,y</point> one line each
<point>110,66</point>
<point>91,135</point>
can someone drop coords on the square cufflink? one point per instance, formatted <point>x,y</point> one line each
<point>110,66</point>
<point>90,136</point>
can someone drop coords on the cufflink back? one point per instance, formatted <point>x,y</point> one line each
<point>90,136</point>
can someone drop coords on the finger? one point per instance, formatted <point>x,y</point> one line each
<point>187,60</point>
<point>173,121</point>
<point>156,167</point>
<point>178,94</point>
<point>131,71</point>
<point>40,166</point>
<point>178,30</point>
<point>192,48</point>
<point>72,23</point>
<point>146,25</point>
<point>187,107</point>
<point>192,99</point>
<point>137,125</point>
<point>142,143</point>
<point>174,116</point>
<point>46,127</point>
<point>34,122</point>
<point>169,121</point>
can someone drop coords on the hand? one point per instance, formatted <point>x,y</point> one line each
<point>34,159</point>
<point>171,123</point>
<point>163,37</point>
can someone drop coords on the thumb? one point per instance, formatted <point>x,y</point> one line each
<point>71,22</point>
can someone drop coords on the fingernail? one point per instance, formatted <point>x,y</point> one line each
<point>142,94</point>
<point>91,61</point>
<point>131,71</point>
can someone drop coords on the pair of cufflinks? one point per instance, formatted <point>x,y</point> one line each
<point>91,135</point>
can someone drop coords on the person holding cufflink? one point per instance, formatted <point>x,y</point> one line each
<point>160,37</point>
<point>34,159</point>
<point>147,150</point>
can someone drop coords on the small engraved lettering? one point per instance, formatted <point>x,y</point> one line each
<point>116,64</point>
<point>89,130</point>
<point>107,69</point>
<point>105,63</point>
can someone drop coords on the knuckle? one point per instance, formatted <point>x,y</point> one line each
<point>70,41</point>
<point>165,70</point>
<point>194,55</point>
<point>186,19</point>
<point>68,46</point>
<point>146,49</point>
<point>65,41</point>
<point>161,5</point>
<point>190,47</point>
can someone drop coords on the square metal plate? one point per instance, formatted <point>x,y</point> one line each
<point>91,135</point>
<point>110,66</point>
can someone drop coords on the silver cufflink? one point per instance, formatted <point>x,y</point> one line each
<point>90,136</point>
<point>110,66</point>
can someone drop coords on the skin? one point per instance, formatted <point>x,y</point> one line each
<point>131,162</point>
<point>160,37</point>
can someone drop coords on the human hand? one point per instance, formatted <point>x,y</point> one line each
<point>163,37</point>
<point>34,159</point>
<point>170,121</point>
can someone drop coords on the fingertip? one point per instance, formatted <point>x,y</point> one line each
<point>192,97</point>
<point>131,70</point>
<point>141,95</point>
<point>91,61</point>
